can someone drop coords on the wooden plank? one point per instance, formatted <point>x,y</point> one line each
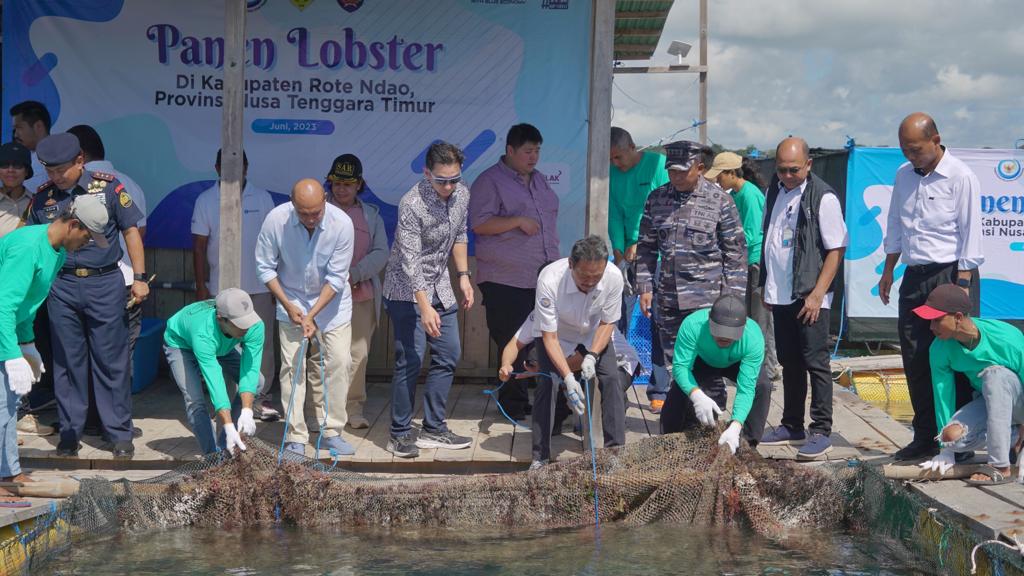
<point>464,419</point>
<point>895,432</point>
<point>494,439</point>
<point>231,165</point>
<point>601,56</point>
<point>867,363</point>
<point>984,513</point>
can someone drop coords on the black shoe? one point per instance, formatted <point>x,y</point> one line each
<point>68,450</point>
<point>916,450</point>
<point>123,450</point>
<point>961,457</point>
<point>404,446</point>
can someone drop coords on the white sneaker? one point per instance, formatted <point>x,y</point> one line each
<point>29,424</point>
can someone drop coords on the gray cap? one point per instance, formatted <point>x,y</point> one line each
<point>235,306</point>
<point>680,155</point>
<point>728,317</point>
<point>57,149</point>
<point>92,213</point>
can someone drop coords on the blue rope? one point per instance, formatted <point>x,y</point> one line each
<point>842,324</point>
<point>593,451</point>
<point>299,360</point>
<point>493,393</point>
<point>327,402</point>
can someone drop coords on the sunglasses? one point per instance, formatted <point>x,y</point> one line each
<point>446,181</point>
<point>792,171</point>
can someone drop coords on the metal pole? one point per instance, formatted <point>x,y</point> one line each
<point>704,75</point>
<point>231,146</point>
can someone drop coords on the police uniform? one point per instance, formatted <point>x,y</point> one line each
<point>698,236</point>
<point>86,305</point>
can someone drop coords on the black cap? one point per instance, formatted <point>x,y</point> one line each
<point>14,153</point>
<point>346,168</point>
<point>728,317</point>
<point>680,155</point>
<point>57,149</point>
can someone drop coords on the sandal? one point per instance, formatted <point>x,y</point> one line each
<point>995,477</point>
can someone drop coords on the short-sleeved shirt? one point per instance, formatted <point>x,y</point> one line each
<point>1001,344</point>
<point>575,316</point>
<point>750,203</point>
<point>138,196</point>
<point>50,201</point>
<point>256,204</point>
<point>513,257</point>
<point>625,354</point>
<point>627,193</point>
<point>195,328</point>
<point>28,266</point>
<point>427,229</point>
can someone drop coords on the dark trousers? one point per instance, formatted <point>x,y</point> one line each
<point>916,337</point>
<point>42,391</point>
<point>410,348</point>
<point>90,340</point>
<point>507,307</point>
<point>134,318</point>
<point>803,351</point>
<point>678,413</point>
<point>613,401</point>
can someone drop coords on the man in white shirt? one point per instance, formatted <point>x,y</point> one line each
<point>303,254</point>
<point>32,123</point>
<point>579,300</point>
<point>804,241</point>
<point>256,204</point>
<point>934,227</point>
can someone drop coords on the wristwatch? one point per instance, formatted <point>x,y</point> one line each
<point>466,273</point>
<point>963,282</point>
<point>141,277</point>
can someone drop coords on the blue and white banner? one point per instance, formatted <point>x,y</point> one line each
<point>378,78</point>
<point>868,192</point>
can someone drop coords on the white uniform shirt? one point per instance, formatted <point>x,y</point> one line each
<point>936,218</point>
<point>138,197</point>
<point>304,263</point>
<point>560,306</point>
<point>625,355</point>
<point>256,204</point>
<point>778,286</point>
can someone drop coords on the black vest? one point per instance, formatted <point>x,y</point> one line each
<point>808,251</point>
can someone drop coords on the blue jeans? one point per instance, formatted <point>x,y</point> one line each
<point>186,374</point>
<point>410,347</point>
<point>993,417</point>
<point>9,465</point>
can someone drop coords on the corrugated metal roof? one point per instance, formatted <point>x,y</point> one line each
<point>638,26</point>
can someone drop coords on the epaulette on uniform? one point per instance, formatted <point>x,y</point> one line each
<point>44,185</point>
<point>103,176</point>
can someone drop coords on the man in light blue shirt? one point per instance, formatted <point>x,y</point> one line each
<point>303,255</point>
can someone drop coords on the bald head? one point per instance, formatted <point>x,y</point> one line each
<point>792,162</point>
<point>309,201</point>
<point>920,142</point>
<point>793,147</point>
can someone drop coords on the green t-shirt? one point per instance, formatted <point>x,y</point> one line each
<point>28,266</point>
<point>694,339</point>
<point>1001,344</point>
<point>750,203</point>
<point>627,194</point>
<point>194,328</point>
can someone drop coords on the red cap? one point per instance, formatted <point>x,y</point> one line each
<point>945,299</point>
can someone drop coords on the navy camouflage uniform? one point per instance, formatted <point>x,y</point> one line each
<point>698,237</point>
<point>87,321</point>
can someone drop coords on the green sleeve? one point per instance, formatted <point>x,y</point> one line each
<point>750,369</point>
<point>17,271</point>
<point>752,214</point>
<point>943,384</point>
<point>252,354</point>
<point>632,230</point>
<point>660,174</point>
<point>205,352</point>
<point>683,357</point>
<point>616,230</point>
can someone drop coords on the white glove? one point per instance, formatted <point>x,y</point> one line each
<point>232,439</point>
<point>941,463</point>
<point>19,375</point>
<point>589,367</point>
<point>574,393</point>
<point>246,423</point>
<point>731,436</point>
<point>707,409</point>
<point>31,354</point>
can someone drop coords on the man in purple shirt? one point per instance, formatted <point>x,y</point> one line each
<point>514,214</point>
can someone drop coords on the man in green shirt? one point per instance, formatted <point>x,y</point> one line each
<point>30,258</point>
<point>713,344</point>
<point>202,343</point>
<point>991,354</point>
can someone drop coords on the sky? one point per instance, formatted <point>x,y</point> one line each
<point>828,69</point>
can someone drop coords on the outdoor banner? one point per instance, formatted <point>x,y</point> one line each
<point>868,192</point>
<point>378,78</point>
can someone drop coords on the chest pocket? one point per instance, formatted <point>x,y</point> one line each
<point>702,221</point>
<point>938,206</point>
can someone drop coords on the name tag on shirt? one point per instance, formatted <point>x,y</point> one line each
<point>787,237</point>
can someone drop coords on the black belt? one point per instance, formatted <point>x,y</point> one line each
<point>86,272</point>
<point>929,267</point>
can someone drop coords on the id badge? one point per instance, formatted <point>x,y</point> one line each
<point>787,237</point>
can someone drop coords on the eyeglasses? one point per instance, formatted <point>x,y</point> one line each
<point>446,181</point>
<point>792,170</point>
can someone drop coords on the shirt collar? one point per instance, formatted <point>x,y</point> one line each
<point>801,187</point>
<point>293,218</point>
<point>571,287</point>
<point>431,196</point>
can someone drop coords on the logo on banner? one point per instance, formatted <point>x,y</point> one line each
<point>1008,170</point>
<point>301,4</point>
<point>350,5</point>
<point>254,5</point>
<point>555,4</point>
